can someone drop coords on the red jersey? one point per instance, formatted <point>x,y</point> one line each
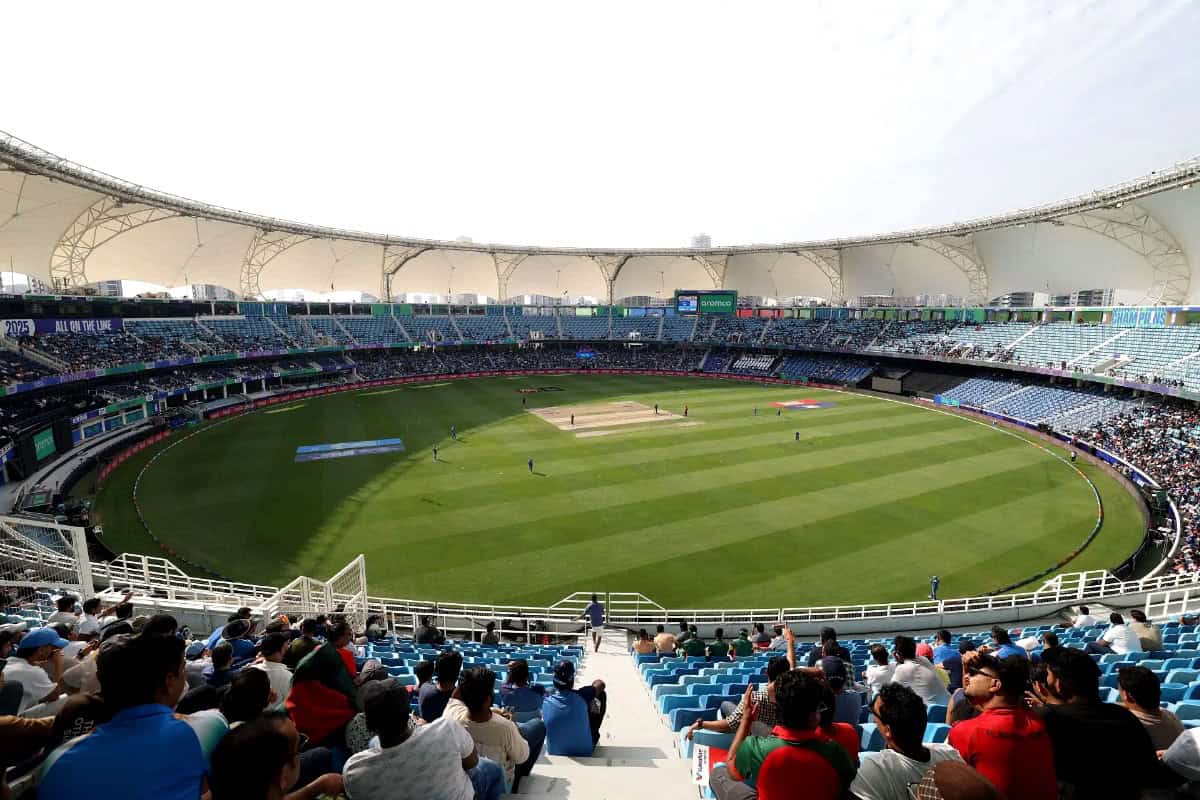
<point>1009,747</point>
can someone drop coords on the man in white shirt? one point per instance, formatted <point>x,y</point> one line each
<point>41,646</point>
<point>271,649</point>
<point>880,672</point>
<point>888,775</point>
<point>495,736</point>
<point>65,612</point>
<point>917,673</point>
<point>1084,619</point>
<point>437,760</point>
<point>1119,638</point>
<point>89,622</point>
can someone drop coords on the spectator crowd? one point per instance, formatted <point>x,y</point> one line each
<point>1030,718</point>
<point>102,702</point>
<point>1161,438</point>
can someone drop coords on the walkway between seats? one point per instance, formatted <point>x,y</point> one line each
<point>636,756</point>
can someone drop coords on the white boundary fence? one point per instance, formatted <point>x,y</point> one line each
<point>161,585</point>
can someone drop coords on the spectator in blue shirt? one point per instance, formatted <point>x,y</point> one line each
<point>573,716</point>
<point>1003,646</point>
<point>237,633</point>
<point>220,672</point>
<point>215,638</point>
<point>518,696</point>
<point>433,697</point>
<point>942,649</point>
<point>595,615</point>
<point>954,664</point>
<point>144,751</point>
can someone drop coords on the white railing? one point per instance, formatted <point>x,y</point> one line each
<point>146,573</point>
<point>159,583</point>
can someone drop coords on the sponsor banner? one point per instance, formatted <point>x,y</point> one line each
<point>700,765</point>
<point>41,327</point>
<point>802,405</point>
<point>14,328</point>
<point>320,452</point>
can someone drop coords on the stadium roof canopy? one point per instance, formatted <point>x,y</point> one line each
<point>72,225</point>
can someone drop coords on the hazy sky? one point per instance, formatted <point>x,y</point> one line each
<point>621,124</point>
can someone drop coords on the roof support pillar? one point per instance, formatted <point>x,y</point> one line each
<point>394,258</point>
<point>829,262</point>
<point>1134,227</point>
<point>506,264</point>
<point>960,251</point>
<point>610,267</point>
<point>100,222</point>
<point>714,265</point>
<point>264,248</point>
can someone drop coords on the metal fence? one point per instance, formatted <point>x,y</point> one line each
<point>35,553</point>
<point>39,554</point>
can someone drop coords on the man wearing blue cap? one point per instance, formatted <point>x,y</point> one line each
<point>573,716</point>
<point>38,666</point>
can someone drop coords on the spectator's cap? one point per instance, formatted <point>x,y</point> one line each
<point>925,649</point>
<point>235,629</point>
<point>194,651</point>
<point>272,643</point>
<point>40,637</point>
<point>564,675</point>
<point>743,631</point>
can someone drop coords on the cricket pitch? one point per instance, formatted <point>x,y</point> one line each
<point>603,415</point>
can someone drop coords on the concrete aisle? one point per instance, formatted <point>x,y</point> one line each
<point>636,756</point>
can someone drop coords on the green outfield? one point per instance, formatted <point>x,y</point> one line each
<point>723,508</point>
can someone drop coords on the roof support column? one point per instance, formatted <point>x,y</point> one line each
<point>829,262</point>
<point>961,253</point>
<point>103,220</point>
<point>1134,227</point>
<point>394,258</point>
<point>714,265</point>
<point>610,267</point>
<point>506,265</point>
<point>264,248</point>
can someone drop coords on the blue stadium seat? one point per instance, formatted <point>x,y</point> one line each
<point>872,739</point>
<point>935,733</point>
<point>682,717</point>
<point>673,702</point>
<point>1173,692</point>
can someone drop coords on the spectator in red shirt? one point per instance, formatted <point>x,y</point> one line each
<point>796,754</point>
<point>1006,743</point>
